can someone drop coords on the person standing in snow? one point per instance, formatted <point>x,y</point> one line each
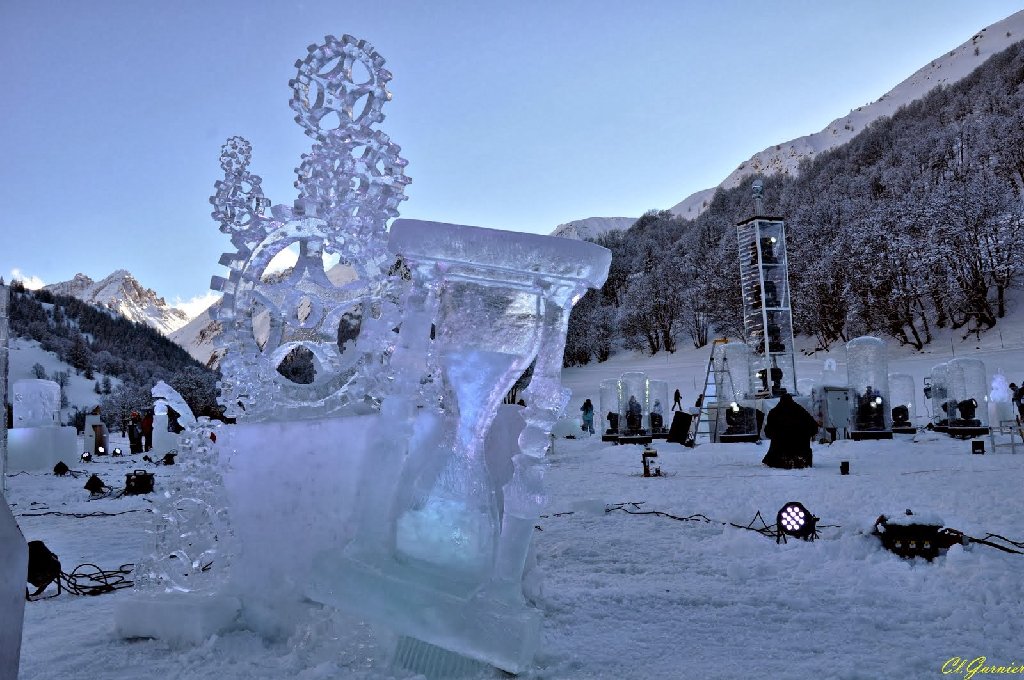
<point>135,433</point>
<point>588,416</point>
<point>678,403</point>
<point>1018,401</point>
<point>791,428</point>
<point>147,430</point>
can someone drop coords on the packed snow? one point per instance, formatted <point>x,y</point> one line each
<point>628,596</point>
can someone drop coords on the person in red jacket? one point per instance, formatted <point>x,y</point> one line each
<point>147,429</point>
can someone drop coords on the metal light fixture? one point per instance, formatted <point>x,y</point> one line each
<point>797,521</point>
<point>116,452</point>
<point>86,456</point>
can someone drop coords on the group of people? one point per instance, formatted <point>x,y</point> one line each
<point>140,432</point>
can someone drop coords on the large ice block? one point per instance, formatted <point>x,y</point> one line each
<point>40,448</point>
<point>13,568</point>
<point>36,403</point>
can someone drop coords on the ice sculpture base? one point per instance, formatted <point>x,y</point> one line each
<point>290,488</point>
<point>177,618</point>
<point>40,448</point>
<point>497,630</point>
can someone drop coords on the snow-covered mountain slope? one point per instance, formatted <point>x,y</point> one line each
<point>122,293</point>
<point>944,70</point>
<point>592,227</point>
<point>199,336</point>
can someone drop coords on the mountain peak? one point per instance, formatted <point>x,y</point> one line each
<point>121,292</point>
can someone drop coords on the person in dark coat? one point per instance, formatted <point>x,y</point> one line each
<point>135,433</point>
<point>677,401</point>
<point>791,428</point>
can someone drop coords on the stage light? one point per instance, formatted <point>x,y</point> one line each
<point>100,451</point>
<point>115,452</point>
<point>908,538</point>
<point>95,485</point>
<point>60,469</point>
<point>967,408</point>
<point>797,521</point>
<point>900,416</point>
<point>86,456</point>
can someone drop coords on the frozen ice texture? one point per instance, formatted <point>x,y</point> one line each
<point>40,448</point>
<point>165,441</point>
<point>36,403</point>
<point>442,545</point>
<point>175,617</point>
<point>903,392</point>
<point>327,341</point>
<point>13,567</point>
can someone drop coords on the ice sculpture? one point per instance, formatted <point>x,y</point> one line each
<point>164,440</point>
<point>37,441</point>
<point>4,330</point>
<point>36,403</point>
<point>315,361</point>
<point>435,556</point>
<point>13,567</point>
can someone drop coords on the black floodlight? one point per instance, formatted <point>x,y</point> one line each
<point>909,539</point>
<point>900,416</point>
<point>967,408</point>
<point>95,485</point>
<point>101,451</point>
<point>86,456</point>
<point>60,469</point>
<point>797,521</point>
<point>116,452</point>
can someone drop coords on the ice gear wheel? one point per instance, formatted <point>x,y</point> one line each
<point>326,84</point>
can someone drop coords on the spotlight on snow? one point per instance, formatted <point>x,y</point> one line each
<point>797,521</point>
<point>86,456</point>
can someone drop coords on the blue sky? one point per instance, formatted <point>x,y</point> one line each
<point>518,115</point>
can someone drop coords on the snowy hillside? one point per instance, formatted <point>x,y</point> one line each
<point>81,394</point>
<point>122,293</point>
<point>197,337</point>
<point>592,227</point>
<point>944,70</point>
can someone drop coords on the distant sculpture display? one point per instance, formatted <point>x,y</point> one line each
<point>349,185</point>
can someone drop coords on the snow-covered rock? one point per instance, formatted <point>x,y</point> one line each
<point>122,293</point>
<point>592,227</point>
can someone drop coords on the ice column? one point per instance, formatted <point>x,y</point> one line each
<point>431,558</point>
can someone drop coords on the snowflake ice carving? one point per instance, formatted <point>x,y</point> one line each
<point>298,343</point>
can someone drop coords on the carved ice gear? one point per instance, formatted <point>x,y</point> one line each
<point>296,343</point>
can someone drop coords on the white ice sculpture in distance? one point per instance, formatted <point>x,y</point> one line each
<point>436,556</point>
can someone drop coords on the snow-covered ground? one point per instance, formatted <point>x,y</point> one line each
<point>643,596</point>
